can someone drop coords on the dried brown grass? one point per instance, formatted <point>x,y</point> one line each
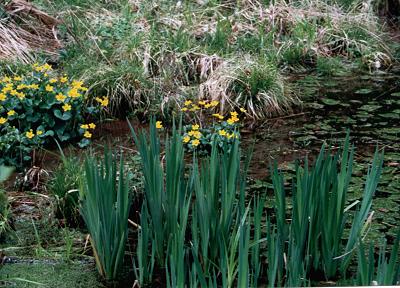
<point>24,30</point>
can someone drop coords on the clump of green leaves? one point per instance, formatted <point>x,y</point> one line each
<point>39,105</point>
<point>64,185</point>
<point>105,208</point>
<point>208,127</point>
<point>4,206</point>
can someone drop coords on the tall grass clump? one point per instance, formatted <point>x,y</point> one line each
<point>105,209</point>
<point>64,185</point>
<point>197,224</point>
<point>199,227</point>
<point>387,271</point>
<point>5,172</point>
<point>319,215</point>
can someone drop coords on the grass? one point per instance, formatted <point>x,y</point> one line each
<point>144,54</point>
<point>64,185</point>
<point>105,208</point>
<point>57,275</point>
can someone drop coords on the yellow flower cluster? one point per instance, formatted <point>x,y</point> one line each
<point>189,105</point>
<point>86,127</point>
<point>227,134</point>
<point>20,94</point>
<point>193,136</point>
<point>234,118</point>
<point>30,134</point>
<point>42,68</point>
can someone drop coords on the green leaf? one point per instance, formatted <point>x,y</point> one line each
<point>63,116</point>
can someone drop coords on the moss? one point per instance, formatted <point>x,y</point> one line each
<point>59,275</point>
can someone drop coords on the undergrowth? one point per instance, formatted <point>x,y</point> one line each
<point>146,53</point>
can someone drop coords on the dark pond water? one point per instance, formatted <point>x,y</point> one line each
<point>368,106</point>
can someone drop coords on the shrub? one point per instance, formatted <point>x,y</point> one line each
<point>37,106</point>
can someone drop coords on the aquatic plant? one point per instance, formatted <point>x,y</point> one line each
<point>38,106</point>
<point>105,209</point>
<point>319,215</point>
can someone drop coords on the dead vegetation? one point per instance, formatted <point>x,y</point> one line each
<point>26,30</point>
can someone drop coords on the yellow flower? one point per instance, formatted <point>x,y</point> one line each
<point>6,79</point>
<point>195,142</point>
<point>222,132</point>
<point>49,88</point>
<point>33,86</point>
<point>3,120</point>
<point>14,92</point>
<point>30,134</point>
<point>85,126</point>
<point>220,117</point>
<point>103,102</point>
<point>21,95</point>
<point>3,97</point>
<point>196,134</point>
<point>159,125</point>
<point>47,67</point>
<point>243,110</point>
<point>184,109</point>
<point>17,78</point>
<point>21,86</point>
<point>11,113</point>
<point>202,102</point>
<point>52,80</point>
<point>73,93</point>
<point>231,121</point>
<point>60,97</point>
<point>87,134</point>
<point>188,102</point>
<point>195,127</point>
<point>77,84</point>
<point>214,103</point>
<point>63,79</point>
<point>92,126</point>
<point>186,139</point>
<point>39,132</point>
<point>66,107</point>
<point>207,105</point>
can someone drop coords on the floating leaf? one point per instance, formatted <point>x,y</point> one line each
<point>330,102</point>
<point>363,91</point>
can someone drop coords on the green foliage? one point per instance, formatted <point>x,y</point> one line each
<point>37,107</point>
<point>259,88</point>
<point>105,208</point>
<point>219,232</point>
<point>387,271</point>
<point>64,185</point>
<point>319,214</point>
<point>5,172</point>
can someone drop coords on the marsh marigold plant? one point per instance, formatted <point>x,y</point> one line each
<point>208,125</point>
<point>41,105</point>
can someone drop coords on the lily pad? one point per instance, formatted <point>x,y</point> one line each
<point>369,107</point>
<point>330,102</point>
<point>363,91</point>
<point>390,115</point>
